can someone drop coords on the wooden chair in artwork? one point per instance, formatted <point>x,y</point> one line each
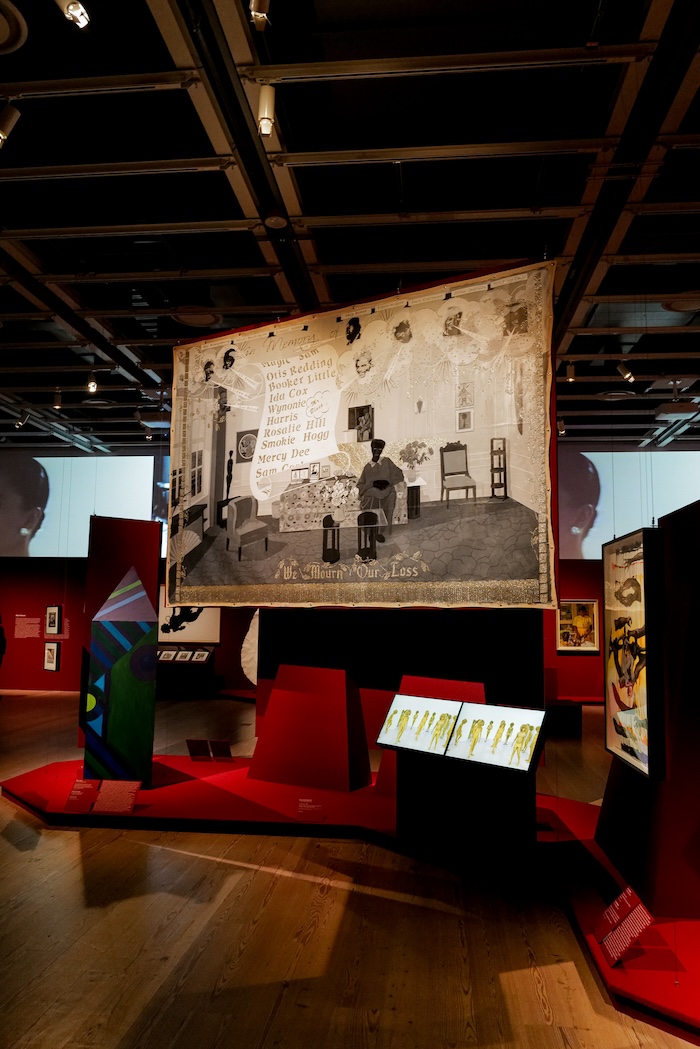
<point>331,540</point>
<point>367,535</point>
<point>454,469</point>
<point>243,527</point>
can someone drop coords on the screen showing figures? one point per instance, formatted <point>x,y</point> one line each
<point>490,735</point>
<point>415,723</point>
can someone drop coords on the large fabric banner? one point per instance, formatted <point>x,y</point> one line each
<point>391,453</point>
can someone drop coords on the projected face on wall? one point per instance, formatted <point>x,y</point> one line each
<point>46,502</point>
<point>24,492</point>
<point>604,494</point>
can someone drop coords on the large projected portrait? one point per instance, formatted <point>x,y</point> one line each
<point>633,727</point>
<point>391,453</point>
<point>493,735</point>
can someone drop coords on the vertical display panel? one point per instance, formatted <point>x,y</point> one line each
<point>633,687</point>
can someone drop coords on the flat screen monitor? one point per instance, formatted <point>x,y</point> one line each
<point>506,737</point>
<point>416,723</point>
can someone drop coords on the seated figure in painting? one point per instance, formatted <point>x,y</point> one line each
<point>377,483</point>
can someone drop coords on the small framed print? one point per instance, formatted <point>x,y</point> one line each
<point>53,619</point>
<point>246,441</point>
<point>314,471</point>
<point>325,470</point>
<point>184,655</point>
<point>300,474</point>
<point>362,421</point>
<point>200,656</point>
<point>577,626</point>
<point>52,654</point>
<point>465,394</point>
<point>166,655</point>
<point>465,420</point>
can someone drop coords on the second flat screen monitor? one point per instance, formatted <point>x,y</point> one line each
<point>493,735</point>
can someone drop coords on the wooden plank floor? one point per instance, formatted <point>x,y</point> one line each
<point>147,940</point>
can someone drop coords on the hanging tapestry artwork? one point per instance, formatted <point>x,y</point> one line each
<point>391,453</point>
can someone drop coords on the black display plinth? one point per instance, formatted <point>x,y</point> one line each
<point>474,815</point>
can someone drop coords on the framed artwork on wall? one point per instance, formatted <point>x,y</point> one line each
<point>52,653</point>
<point>314,471</point>
<point>577,626</point>
<point>633,622</point>
<point>362,420</point>
<point>465,395</point>
<point>246,441</point>
<point>184,655</point>
<point>465,420</point>
<point>166,655</point>
<point>53,619</point>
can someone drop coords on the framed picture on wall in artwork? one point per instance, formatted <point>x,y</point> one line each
<point>465,420</point>
<point>52,654</point>
<point>577,626</point>
<point>52,623</point>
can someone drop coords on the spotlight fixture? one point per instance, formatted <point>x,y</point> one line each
<point>266,110</point>
<point>8,118</point>
<point>57,399</point>
<point>561,429</point>
<point>276,220</point>
<point>92,383</point>
<point>149,433</point>
<point>570,373</point>
<point>625,372</point>
<point>258,14</point>
<point>74,12</point>
<point>24,417</point>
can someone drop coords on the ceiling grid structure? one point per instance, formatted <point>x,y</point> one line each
<point>412,142</point>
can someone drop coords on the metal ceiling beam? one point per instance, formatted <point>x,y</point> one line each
<point>645,118</point>
<point>301,221</point>
<point>33,288</point>
<point>635,299</point>
<point>206,37</point>
<point>373,68</point>
<point>116,168</point>
<point>273,309</point>
<point>108,85</point>
<point>463,150</point>
<point>56,429</point>
<point>136,230</point>
<point>158,275</point>
<point>639,329</point>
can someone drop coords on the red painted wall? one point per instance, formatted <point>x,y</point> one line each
<point>27,586</point>
<point>569,675</point>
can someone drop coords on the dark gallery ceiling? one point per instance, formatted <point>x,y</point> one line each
<point>413,142</point>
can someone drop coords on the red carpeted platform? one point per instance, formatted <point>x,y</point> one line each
<point>658,979</point>
<point>211,795</point>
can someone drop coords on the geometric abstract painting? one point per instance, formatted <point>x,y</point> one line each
<point>118,713</point>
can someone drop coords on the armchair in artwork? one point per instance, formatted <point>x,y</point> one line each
<point>243,527</point>
<point>454,470</point>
